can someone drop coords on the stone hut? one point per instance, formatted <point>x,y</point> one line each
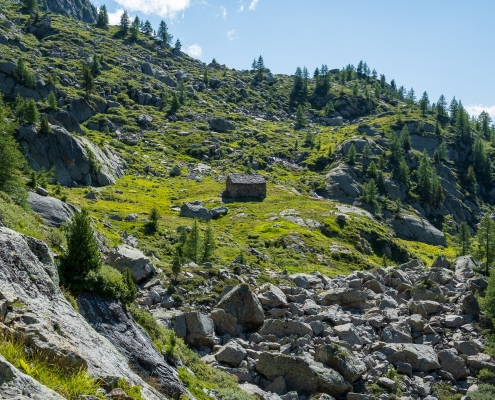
<point>245,186</point>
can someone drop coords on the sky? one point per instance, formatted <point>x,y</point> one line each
<point>441,46</point>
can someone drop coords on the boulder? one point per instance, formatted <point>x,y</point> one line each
<point>221,125</point>
<point>271,296</point>
<point>346,297</point>
<point>302,374</point>
<point>305,281</point>
<point>396,334</point>
<point>289,327</point>
<point>195,209</point>
<point>348,333</point>
<point>470,305</point>
<point>125,256</point>
<point>171,319</point>
<point>28,276</point>
<point>422,358</point>
<point>147,69</point>
<point>15,385</point>
<point>218,212</point>
<point>224,323</point>
<point>232,353</point>
<point>481,361</point>
<point>464,267</point>
<point>111,320</point>
<point>451,362</point>
<point>387,383</point>
<point>341,185</point>
<point>411,227</point>
<point>241,303</point>
<point>74,159</point>
<point>341,360</point>
<point>53,211</point>
<point>82,10</point>
<point>200,330</point>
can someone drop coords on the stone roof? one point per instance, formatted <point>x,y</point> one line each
<point>254,179</point>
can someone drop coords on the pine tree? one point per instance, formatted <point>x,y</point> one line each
<point>192,246</point>
<point>424,104</point>
<point>178,45</point>
<point>176,265</point>
<point>366,151</point>
<point>31,114</point>
<point>45,127</point>
<point>297,92</point>
<point>134,30</point>
<point>154,223</point>
<point>453,108</point>
<point>163,34</point>
<point>102,20</point>
<point>395,148</point>
<point>96,65</point>
<point>424,177</point>
<point>206,79</point>
<point>88,82</point>
<point>403,173</point>
<point>481,160</point>
<point>411,97</point>
<point>208,243</point>
<point>471,179</point>
<point>441,106</point>
<point>372,170</point>
<point>52,101</point>
<point>300,118</point>
<point>125,22</point>
<point>463,239</point>
<point>30,5</point>
<point>147,29</point>
<point>130,287</point>
<point>82,255</point>
<point>405,139</point>
<point>175,104</point>
<point>260,67</point>
<point>486,241</point>
<point>351,155</point>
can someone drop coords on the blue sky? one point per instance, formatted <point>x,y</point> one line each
<point>441,46</point>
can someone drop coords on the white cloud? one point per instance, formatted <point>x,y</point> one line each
<point>114,18</point>
<point>476,109</point>
<point>241,9</point>
<point>253,5</point>
<point>163,8</point>
<point>224,12</point>
<point>232,35</point>
<point>194,50</point>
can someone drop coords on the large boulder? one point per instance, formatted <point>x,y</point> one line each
<point>232,353</point>
<point>302,374</point>
<point>342,360</point>
<point>411,227</point>
<point>348,333</point>
<point>346,297</point>
<point>221,125</point>
<point>451,362</point>
<point>200,330</point>
<point>74,159</point>
<point>53,211</point>
<point>125,256</point>
<point>464,267</point>
<point>28,276</point>
<point>171,319</point>
<point>422,358</point>
<point>225,323</point>
<point>111,319</point>
<point>15,385</point>
<point>341,185</point>
<point>195,209</point>
<point>271,296</point>
<point>82,10</point>
<point>244,306</point>
<point>289,327</point>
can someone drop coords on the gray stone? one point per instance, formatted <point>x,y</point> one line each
<point>396,334</point>
<point>451,362</point>
<point>301,374</point>
<point>221,125</point>
<point>218,212</point>
<point>200,330</point>
<point>125,256</point>
<point>289,327</point>
<point>171,319</point>
<point>422,358</point>
<point>241,303</point>
<point>348,333</point>
<point>345,297</point>
<point>454,321</point>
<point>147,69</point>
<point>232,353</point>
<point>195,209</point>
<point>224,323</point>
<point>53,211</point>
<point>305,281</point>
<point>271,296</point>
<point>342,360</point>
<point>387,383</point>
<point>411,227</point>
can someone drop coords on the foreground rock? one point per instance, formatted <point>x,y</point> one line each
<point>54,327</point>
<point>15,385</point>
<point>53,211</point>
<point>244,306</point>
<point>112,321</point>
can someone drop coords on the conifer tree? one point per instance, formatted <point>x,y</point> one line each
<point>154,220</point>
<point>260,67</point>
<point>405,139</point>
<point>424,104</point>
<point>453,108</point>
<point>441,106</point>
<point>403,174</point>
<point>486,241</point>
<point>411,97</point>
<point>192,246</point>
<point>471,179</point>
<point>125,22</point>
<point>208,243</point>
<point>366,151</point>
<point>395,148</point>
<point>130,287</point>
<point>102,20</point>
<point>175,104</point>
<point>351,155</point>
<point>463,239</point>
<point>88,82</point>
<point>300,117</point>
<point>176,265</point>
<point>52,101</point>
<point>147,29</point>
<point>424,177</point>
<point>372,170</point>
<point>96,65</point>
<point>178,44</point>
<point>31,114</point>
<point>481,160</point>
<point>45,126</point>
<point>134,29</point>
<point>82,255</point>
<point>30,5</point>
<point>163,35</point>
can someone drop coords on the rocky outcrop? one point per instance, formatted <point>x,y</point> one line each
<point>125,256</point>
<point>111,320</point>
<point>411,227</point>
<point>53,211</point>
<point>28,276</point>
<point>341,185</point>
<point>221,125</point>
<point>75,160</point>
<point>82,10</point>
<point>244,306</point>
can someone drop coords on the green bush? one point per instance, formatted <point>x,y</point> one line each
<point>484,392</point>
<point>109,282</point>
